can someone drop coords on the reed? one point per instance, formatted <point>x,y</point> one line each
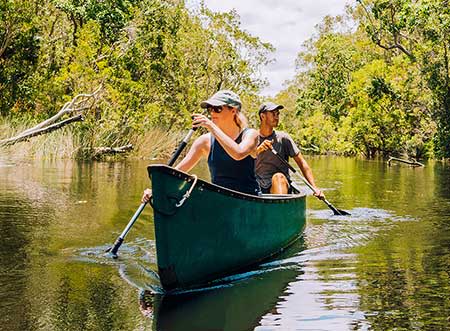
<point>157,143</point>
<point>71,142</point>
<point>58,144</point>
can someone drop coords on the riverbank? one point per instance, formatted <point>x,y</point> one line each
<point>70,143</point>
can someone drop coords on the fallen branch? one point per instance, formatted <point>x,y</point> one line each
<point>412,162</point>
<point>26,136</point>
<point>78,104</point>
<point>112,150</point>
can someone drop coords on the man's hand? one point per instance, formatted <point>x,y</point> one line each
<point>265,146</point>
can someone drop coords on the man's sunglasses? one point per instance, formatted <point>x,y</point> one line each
<point>216,109</point>
<point>275,112</point>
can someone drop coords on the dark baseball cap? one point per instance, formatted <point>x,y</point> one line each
<point>222,98</point>
<point>269,106</point>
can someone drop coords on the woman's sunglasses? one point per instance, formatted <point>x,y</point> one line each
<point>216,109</point>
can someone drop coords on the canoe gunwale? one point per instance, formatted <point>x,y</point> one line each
<point>202,184</point>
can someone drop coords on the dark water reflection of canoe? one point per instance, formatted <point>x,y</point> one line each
<point>235,305</point>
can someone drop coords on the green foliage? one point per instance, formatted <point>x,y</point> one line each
<point>111,15</point>
<point>375,81</point>
<point>418,30</point>
<point>331,60</point>
<point>154,59</point>
<point>19,49</point>
<point>357,97</point>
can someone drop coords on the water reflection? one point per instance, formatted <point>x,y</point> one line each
<point>20,225</point>
<point>234,303</point>
<point>385,267</point>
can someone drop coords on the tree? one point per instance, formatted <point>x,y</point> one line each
<point>19,49</point>
<point>420,30</point>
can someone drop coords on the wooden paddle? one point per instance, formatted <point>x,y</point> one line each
<point>336,211</point>
<point>113,249</point>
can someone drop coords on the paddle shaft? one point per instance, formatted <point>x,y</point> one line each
<point>333,208</point>
<point>138,212</point>
<point>181,147</point>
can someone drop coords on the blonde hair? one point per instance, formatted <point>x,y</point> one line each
<point>240,119</point>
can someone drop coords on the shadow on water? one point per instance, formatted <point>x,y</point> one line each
<point>232,303</point>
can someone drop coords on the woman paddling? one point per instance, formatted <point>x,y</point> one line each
<point>229,146</point>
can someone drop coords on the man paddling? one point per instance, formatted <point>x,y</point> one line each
<point>272,174</point>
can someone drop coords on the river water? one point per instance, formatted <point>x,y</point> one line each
<point>385,267</point>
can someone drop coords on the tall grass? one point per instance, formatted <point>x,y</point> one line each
<point>66,142</point>
<point>157,143</point>
<point>57,144</point>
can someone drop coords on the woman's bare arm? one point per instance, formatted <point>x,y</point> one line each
<point>237,151</point>
<point>199,148</point>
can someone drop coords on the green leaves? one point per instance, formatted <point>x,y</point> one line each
<point>420,30</point>
<point>155,60</point>
<point>356,97</point>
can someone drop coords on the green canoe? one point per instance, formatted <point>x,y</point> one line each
<point>214,231</point>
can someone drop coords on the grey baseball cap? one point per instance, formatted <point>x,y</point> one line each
<point>269,106</point>
<point>221,98</point>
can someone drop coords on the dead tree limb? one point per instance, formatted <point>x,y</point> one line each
<point>78,104</point>
<point>413,162</point>
<point>98,151</point>
<point>50,128</point>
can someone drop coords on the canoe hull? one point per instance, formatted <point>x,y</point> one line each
<point>217,231</point>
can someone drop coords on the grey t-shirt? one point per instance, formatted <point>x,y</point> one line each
<point>267,164</point>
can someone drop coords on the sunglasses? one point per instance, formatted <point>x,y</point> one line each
<point>216,109</point>
<point>275,112</point>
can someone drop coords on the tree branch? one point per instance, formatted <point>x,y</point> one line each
<point>75,105</point>
<point>395,35</point>
<point>22,137</point>
<point>412,163</point>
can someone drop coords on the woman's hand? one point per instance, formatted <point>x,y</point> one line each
<point>265,146</point>
<point>319,194</point>
<point>200,120</point>
<point>147,195</point>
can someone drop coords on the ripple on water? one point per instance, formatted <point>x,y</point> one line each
<point>355,214</point>
<point>359,214</point>
<point>136,262</point>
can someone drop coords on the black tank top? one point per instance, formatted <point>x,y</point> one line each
<point>230,173</point>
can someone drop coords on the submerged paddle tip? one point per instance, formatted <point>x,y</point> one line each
<point>111,255</point>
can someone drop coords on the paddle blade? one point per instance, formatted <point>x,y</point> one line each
<point>341,212</point>
<point>112,251</point>
<point>337,212</point>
